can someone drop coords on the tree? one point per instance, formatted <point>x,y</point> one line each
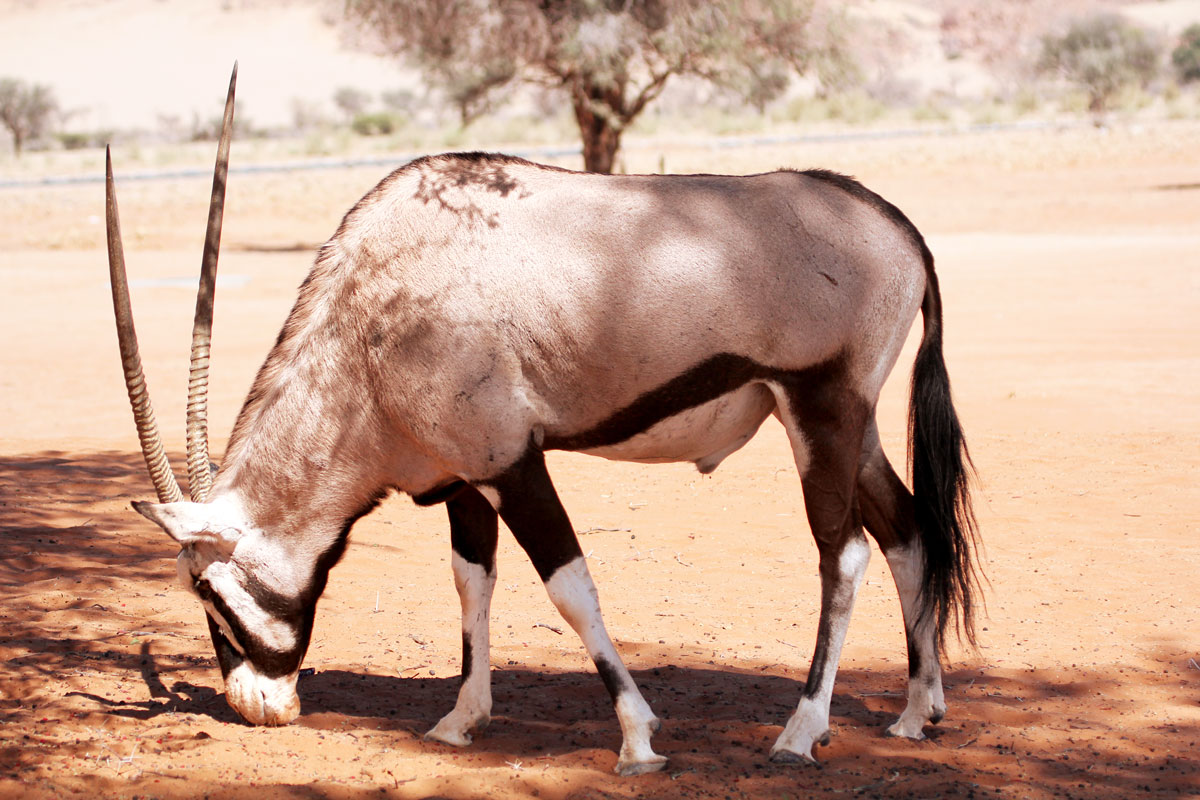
<point>25,110</point>
<point>1102,54</point>
<point>1186,57</point>
<point>611,57</point>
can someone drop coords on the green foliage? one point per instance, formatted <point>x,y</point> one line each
<point>81,140</point>
<point>1102,55</point>
<point>27,111</point>
<point>854,107</point>
<point>378,123</point>
<point>1186,57</point>
<point>611,57</point>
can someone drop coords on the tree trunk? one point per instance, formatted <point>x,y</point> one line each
<point>600,132</point>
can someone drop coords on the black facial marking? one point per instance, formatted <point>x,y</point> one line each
<point>473,528</point>
<point>531,509</point>
<point>297,612</point>
<point>611,677</point>
<point>227,656</point>
<point>267,661</point>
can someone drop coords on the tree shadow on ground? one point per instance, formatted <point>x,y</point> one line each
<point>71,554</point>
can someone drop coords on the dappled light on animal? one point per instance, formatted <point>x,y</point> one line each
<point>474,311</point>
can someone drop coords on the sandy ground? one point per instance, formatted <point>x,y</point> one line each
<point>1071,278</point>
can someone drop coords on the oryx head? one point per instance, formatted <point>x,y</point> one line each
<point>259,619</point>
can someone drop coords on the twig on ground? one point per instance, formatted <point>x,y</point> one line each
<point>605,530</point>
<point>549,628</point>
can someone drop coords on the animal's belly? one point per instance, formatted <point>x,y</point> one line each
<point>704,434</point>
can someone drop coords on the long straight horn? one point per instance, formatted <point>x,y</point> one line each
<point>199,475</point>
<point>131,362</point>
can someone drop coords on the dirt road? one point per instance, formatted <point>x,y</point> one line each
<point>1070,269</point>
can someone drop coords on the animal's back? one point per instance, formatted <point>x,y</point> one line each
<point>508,280</point>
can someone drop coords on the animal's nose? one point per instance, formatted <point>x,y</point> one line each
<point>261,700</point>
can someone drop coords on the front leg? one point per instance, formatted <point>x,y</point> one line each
<point>473,524</point>
<point>531,509</point>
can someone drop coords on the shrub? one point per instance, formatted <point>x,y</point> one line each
<point>1102,54</point>
<point>1186,57</point>
<point>379,123</point>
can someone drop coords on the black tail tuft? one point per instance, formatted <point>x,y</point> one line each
<point>941,477</point>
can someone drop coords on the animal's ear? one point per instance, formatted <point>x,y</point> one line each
<point>190,523</point>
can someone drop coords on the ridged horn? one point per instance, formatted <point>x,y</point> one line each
<point>131,361</point>
<point>199,475</point>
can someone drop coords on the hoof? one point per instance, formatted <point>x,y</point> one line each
<point>937,717</point>
<point>631,768</point>
<point>899,731</point>
<point>448,732</point>
<point>453,738</point>
<point>791,757</point>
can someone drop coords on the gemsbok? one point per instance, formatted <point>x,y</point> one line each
<point>473,311</point>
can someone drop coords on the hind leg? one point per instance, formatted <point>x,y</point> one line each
<point>887,508</point>
<point>473,536</point>
<point>826,428</point>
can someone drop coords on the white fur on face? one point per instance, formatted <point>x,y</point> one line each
<point>275,634</point>
<point>224,577</point>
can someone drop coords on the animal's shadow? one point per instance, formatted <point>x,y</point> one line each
<point>548,712</point>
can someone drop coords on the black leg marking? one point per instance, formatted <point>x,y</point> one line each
<point>826,421</point>
<point>531,509</point>
<point>441,494</point>
<point>611,677</point>
<point>467,652</point>
<point>473,535</point>
<point>473,527</point>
